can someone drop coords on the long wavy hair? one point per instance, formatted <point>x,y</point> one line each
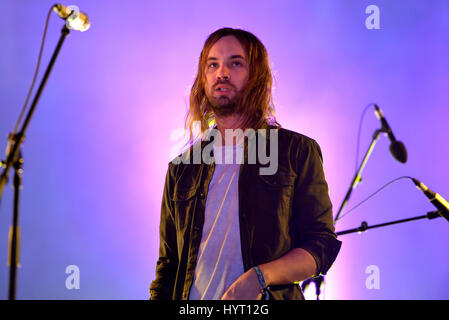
<point>256,101</point>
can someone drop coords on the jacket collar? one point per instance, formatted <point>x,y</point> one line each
<point>264,130</point>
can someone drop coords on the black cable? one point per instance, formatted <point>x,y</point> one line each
<point>358,135</point>
<point>373,194</point>
<point>36,72</point>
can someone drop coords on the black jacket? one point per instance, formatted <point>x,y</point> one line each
<point>290,209</point>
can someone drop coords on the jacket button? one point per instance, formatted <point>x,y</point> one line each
<point>201,195</point>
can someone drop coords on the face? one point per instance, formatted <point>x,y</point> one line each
<point>226,75</point>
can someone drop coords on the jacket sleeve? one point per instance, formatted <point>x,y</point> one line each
<point>162,287</point>
<point>313,228</point>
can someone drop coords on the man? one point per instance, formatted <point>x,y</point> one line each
<point>227,231</point>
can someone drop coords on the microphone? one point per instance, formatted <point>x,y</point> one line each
<point>438,201</point>
<point>74,18</point>
<point>397,148</point>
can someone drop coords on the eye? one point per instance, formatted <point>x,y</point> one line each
<point>237,63</point>
<point>212,64</point>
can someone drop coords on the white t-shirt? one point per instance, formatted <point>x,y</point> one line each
<point>219,261</point>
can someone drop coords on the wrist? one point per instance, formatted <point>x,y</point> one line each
<point>263,285</point>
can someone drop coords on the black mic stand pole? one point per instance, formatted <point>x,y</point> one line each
<point>358,176</point>
<point>14,159</point>
<point>364,226</point>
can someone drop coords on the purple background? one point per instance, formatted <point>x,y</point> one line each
<point>97,148</point>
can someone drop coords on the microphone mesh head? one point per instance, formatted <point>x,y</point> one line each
<point>398,151</point>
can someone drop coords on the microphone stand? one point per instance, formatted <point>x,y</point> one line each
<point>14,159</point>
<point>364,226</point>
<point>355,180</point>
<point>358,175</point>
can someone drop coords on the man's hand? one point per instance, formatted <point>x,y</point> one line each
<point>246,287</point>
<point>296,265</point>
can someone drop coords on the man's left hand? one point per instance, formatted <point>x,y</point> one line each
<point>246,287</point>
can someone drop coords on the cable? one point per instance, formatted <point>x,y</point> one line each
<point>36,72</point>
<point>358,135</point>
<point>373,194</point>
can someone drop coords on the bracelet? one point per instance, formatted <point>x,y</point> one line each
<point>264,290</point>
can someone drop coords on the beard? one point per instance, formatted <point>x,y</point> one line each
<point>223,104</point>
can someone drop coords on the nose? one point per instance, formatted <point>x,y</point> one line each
<point>223,73</point>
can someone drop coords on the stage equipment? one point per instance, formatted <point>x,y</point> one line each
<point>74,20</point>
